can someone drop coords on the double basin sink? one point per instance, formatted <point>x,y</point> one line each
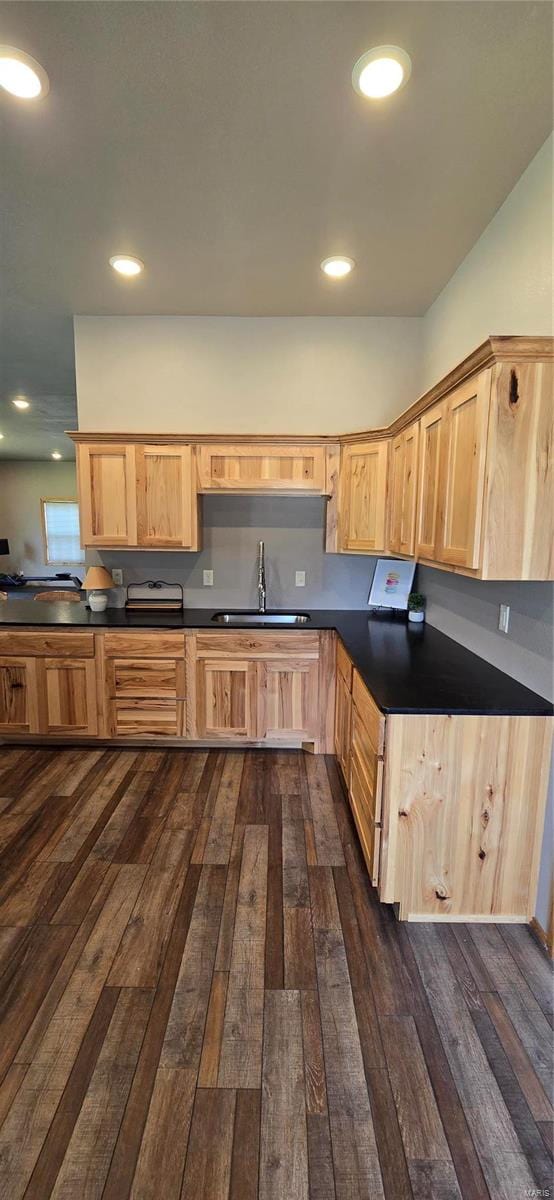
<point>260,618</point>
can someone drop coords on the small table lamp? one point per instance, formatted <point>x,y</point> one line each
<point>95,578</point>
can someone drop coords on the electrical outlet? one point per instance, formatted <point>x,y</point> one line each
<point>208,578</point>
<point>117,576</point>
<point>300,579</point>
<point>504,618</point>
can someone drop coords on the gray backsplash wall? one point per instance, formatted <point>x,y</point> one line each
<point>293,531</point>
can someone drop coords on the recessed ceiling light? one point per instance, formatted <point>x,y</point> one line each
<point>19,402</point>
<point>337,266</point>
<point>125,264</point>
<point>381,71</point>
<point>22,75</point>
<point>56,454</point>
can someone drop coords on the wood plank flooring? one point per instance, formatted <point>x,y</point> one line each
<point>201,996</point>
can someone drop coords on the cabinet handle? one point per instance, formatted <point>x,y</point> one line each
<point>15,685</point>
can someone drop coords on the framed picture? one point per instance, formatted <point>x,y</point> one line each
<point>392,583</point>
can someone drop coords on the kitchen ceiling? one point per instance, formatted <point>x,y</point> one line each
<point>223,143</point>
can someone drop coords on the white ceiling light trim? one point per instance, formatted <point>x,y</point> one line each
<point>56,454</point>
<point>338,266</point>
<point>20,402</point>
<point>22,75</point>
<point>381,71</point>
<point>127,265</point>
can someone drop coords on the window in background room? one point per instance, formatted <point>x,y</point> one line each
<point>60,526</point>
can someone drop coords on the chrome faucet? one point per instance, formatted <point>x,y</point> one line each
<point>261,578</point>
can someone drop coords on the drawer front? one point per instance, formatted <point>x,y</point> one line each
<point>252,644</point>
<point>146,718</point>
<point>144,645</point>
<point>161,678</point>
<point>344,665</point>
<point>369,765</point>
<point>368,830</point>
<point>47,645</point>
<point>370,714</point>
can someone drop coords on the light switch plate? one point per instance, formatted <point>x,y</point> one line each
<point>208,578</point>
<point>300,579</point>
<point>117,576</point>
<point>504,618</point>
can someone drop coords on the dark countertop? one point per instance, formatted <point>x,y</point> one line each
<point>408,669</point>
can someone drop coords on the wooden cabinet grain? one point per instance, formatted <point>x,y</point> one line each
<point>106,480</point>
<point>288,699</point>
<point>261,467</point>
<point>137,496</point>
<point>67,699</point>
<point>18,695</point>
<point>343,710</point>
<point>403,490</point>
<point>226,698</point>
<point>143,684</point>
<point>462,472</point>
<point>362,503</point>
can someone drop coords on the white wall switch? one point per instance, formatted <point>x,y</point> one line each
<point>117,576</point>
<point>300,579</point>
<point>504,618</point>
<point>208,578</point>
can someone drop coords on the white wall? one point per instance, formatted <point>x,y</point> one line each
<point>504,285</point>
<point>22,487</point>
<point>244,374</point>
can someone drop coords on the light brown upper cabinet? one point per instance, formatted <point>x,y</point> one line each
<point>137,496</point>
<point>452,475</point>
<point>107,494</point>
<point>258,467</point>
<point>363,491</point>
<point>166,499</point>
<point>403,490</point>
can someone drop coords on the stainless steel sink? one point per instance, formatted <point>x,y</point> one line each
<point>258,618</point>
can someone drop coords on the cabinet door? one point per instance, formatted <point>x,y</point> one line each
<point>106,483</point>
<point>365,790</point>
<point>432,425</point>
<point>363,497</point>
<point>165,497</point>
<point>18,696</point>
<point>288,698</point>
<point>67,695</point>
<point>403,490</point>
<point>262,468</point>
<point>343,708</point>
<point>226,698</point>
<point>462,472</point>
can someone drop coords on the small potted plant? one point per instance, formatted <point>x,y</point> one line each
<point>416,607</point>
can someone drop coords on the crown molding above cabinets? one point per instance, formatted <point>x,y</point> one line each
<point>462,479</point>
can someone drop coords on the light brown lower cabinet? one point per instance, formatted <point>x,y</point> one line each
<point>449,809</point>
<point>226,698</point>
<point>343,710</point>
<point>18,695</point>
<point>143,683</point>
<point>67,699</point>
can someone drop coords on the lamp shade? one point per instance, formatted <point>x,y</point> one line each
<point>97,577</point>
<point>4,546</point>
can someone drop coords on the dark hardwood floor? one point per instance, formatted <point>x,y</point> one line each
<point>202,997</point>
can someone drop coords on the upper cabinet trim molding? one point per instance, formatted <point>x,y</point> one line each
<point>496,349</point>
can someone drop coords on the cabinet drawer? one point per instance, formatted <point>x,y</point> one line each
<point>162,678</point>
<point>251,644</point>
<point>146,718</point>
<point>368,830</point>
<point>344,665</point>
<point>370,714</point>
<point>144,645</point>
<point>47,645</point>
<point>369,765</point>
